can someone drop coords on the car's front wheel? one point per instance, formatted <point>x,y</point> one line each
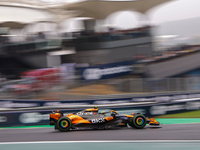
<point>139,121</point>
<point>64,124</point>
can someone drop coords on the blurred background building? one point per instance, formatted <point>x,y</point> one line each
<point>81,41</point>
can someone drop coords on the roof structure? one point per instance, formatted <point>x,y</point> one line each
<point>24,12</point>
<point>13,25</point>
<point>101,9</point>
<point>57,12</point>
<point>29,3</point>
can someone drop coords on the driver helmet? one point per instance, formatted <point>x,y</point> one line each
<point>95,107</point>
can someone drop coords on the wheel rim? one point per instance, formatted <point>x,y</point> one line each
<point>140,121</point>
<point>64,124</point>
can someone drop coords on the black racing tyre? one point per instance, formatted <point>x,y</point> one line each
<point>64,124</point>
<point>139,121</point>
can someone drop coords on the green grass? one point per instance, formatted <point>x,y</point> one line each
<point>24,127</point>
<point>178,120</point>
<point>191,114</point>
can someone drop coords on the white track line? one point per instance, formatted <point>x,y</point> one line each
<point>109,141</point>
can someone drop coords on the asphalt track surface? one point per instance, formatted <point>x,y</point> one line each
<point>166,132</point>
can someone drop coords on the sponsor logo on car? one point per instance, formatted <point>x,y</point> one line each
<point>99,120</point>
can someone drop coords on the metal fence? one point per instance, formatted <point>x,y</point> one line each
<point>110,88</point>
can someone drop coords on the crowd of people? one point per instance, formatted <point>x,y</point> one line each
<point>112,35</point>
<point>171,52</point>
<point>81,36</point>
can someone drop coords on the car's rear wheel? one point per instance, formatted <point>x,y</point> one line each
<point>64,124</point>
<point>139,121</point>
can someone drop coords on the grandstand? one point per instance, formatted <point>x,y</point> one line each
<point>91,47</point>
<point>176,64</point>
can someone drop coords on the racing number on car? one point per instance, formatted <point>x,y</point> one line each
<point>99,120</point>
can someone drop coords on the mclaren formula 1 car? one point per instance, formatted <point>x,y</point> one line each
<point>92,119</point>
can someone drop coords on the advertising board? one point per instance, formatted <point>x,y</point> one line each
<point>106,71</point>
<point>154,98</point>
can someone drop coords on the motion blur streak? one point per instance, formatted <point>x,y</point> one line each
<point>106,145</point>
<point>167,132</point>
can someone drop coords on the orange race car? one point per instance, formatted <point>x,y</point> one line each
<point>91,118</point>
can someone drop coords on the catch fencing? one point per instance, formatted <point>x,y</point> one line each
<point>110,88</point>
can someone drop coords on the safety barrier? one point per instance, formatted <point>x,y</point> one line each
<point>40,115</point>
<point>151,98</point>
